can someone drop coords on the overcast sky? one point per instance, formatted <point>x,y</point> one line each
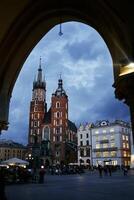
<point>83,58</point>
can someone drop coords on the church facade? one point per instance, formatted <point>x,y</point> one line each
<point>50,129</point>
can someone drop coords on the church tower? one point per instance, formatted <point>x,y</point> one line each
<point>59,122</point>
<point>38,108</point>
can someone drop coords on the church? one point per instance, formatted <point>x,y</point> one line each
<point>50,130</point>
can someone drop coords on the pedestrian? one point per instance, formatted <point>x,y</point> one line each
<point>125,171</point>
<point>109,170</point>
<point>41,175</point>
<point>100,170</point>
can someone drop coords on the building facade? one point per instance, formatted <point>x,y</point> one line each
<point>10,149</point>
<point>110,142</point>
<point>85,144</point>
<point>51,130</point>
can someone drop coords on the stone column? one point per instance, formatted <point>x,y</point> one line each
<point>124,90</point>
<point>4,110</point>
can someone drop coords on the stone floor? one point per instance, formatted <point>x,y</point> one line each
<point>88,186</point>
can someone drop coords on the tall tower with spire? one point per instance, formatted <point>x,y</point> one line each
<point>38,108</point>
<point>59,122</point>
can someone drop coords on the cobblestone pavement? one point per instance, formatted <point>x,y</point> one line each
<point>88,186</point>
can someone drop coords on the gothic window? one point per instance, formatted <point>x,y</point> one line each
<point>58,122</point>
<point>57,130</point>
<point>58,114</point>
<point>46,133</point>
<point>57,104</point>
<point>35,108</point>
<point>82,152</point>
<point>35,124</point>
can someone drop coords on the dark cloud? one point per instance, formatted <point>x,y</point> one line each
<point>86,66</point>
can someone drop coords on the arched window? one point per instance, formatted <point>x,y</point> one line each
<point>58,114</point>
<point>46,133</point>
<point>57,104</point>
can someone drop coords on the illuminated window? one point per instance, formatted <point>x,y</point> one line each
<point>127,145</point>
<point>105,145</point>
<point>97,146</point>
<point>113,153</point>
<point>112,144</point>
<point>97,138</point>
<point>126,137</point>
<point>105,154</point>
<point>98,154</point>
<point>112,137</point>
<point>123,137</point>
<point>53,138</point>
<point>124,153</point>
<point>111,130</point>
<point>124,145</point>
<point>105,138</point>
<point>96,132</point>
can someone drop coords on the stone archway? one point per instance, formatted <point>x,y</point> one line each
<point>29,21</point>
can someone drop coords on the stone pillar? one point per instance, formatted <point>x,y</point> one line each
<point>124,90</point>
<point>4,110</point>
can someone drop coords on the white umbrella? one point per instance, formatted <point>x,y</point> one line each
<point>15,161</point>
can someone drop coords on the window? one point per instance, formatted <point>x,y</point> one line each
<point>58,114</point>
<point>96,132</point>
<point>104,131</point>
<point>60,138</point>
<point>98,154</point>
<point>124,153</point>
<point>57,138</point>
<point>126,137</point>
<point>88,152</point>
<point>87,135</point>
<point>81,143</point>
<point>97,138</point>
<point>87,143</point>
<point>105,154</point>
<point>97,146</point>
<point>127,145</point>
<point>80,136</point>
<point>105,145</point>
<point>111,130</point>
<point>57,104</point>
<point>53,138</point>
<point>58,122</point>
<point>105,138</point>
<point>124,145</point>
<point>123,137</point>
<point>46,133</point>
<point>82,152</point>
<point>112,137</point>
<point>57,130</point>
<point>35,124</point>
<point>112,144</point>
<point>113,153</point>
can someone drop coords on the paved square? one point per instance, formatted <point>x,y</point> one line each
<point>88,186</point>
